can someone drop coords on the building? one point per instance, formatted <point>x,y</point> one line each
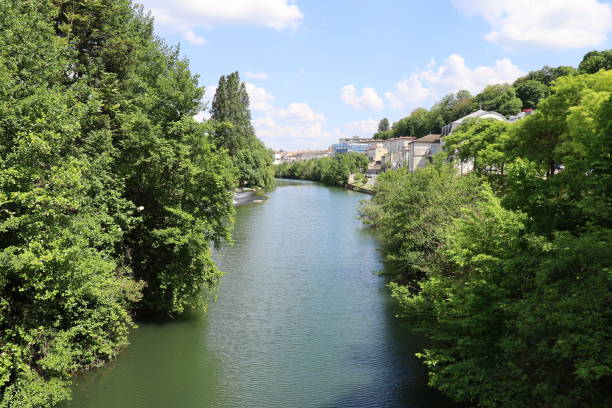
<point>278,157</point>
<point>522,115</point>
<point>396,151</point>
<point>421,151</point>
<point>376,151</point>
<point>354,139</point>
<point>284,157</point>
<point>350,145</point>
<point>468,165</point>
<point>304,155</point>
<point>479,114</point>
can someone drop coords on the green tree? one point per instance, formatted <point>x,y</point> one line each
<point>411,210</point>
<point>482,141</point>
<point>110,193</point>
<point>451,107</point>
<point>512,290</point>
<point>498,98</point>
<point>383,125</point>
<point>231,105</point>
<point>595,61</point>
<point>334,171</point>
<point>547,75</point>
<point>515,319</point>
<point>530,92</point>
<point>234,132</point>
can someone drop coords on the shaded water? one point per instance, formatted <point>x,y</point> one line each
<point>300,321</point>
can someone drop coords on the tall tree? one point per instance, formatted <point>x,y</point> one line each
<point>383,125</point>
<point>235,132</point>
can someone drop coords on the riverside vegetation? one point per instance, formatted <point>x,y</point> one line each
<point>507,269</point>
<point>110,192</point>
<point>333,171</point>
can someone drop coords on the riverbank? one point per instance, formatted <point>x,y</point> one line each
<point>366,189</point>
<point>244,196</point>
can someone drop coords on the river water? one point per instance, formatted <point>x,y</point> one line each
<point>300,321</point>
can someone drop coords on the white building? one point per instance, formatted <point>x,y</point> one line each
<point>421,151</point>
<point>396,149</point>
<point>304,155</point>
<point>284,157</point>
<point>521,115</point>
<point>479,114</point>
<point>376,151</point>
<point>278,158</point>
<point>468,165</point>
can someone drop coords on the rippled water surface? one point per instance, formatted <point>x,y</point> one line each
<point>300,321</point>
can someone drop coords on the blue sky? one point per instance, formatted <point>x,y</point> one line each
<point>322,69</point>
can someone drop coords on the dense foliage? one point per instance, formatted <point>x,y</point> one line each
<point>110,192</point>
<point>231,108</point>
<point>334,170</point>
<point>512,284</point>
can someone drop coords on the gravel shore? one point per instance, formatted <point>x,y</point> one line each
<point>248,197</point>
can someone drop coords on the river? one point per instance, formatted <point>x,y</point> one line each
<point>300,321</point>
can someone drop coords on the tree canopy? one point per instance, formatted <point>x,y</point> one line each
<point>334,170</point>
<point>595,61</point>
<point>111,194</point>
<point>506,270</point>
<point>383,125</point>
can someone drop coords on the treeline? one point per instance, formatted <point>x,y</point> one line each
<point>333,171</point>
<point>507,269</point>
<point>110,192</point>
<point>508,99</point>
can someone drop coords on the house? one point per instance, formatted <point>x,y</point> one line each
<point>468,165</point>
<point>479,114</point>
<point>521,115</point>
<point>278,157</point>
<point>376,151</point>
<point>421,151</point>
<point>396,151</point>
<point>284,157</point>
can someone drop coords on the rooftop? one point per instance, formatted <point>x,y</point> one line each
<point>479,113</point>
<point>431,138</point>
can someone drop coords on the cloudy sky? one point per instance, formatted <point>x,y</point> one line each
<point>321,69</point>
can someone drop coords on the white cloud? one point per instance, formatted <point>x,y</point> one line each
<point>544,23</point>
<point>193,38</point>
<point>407,92</point>
<point>301,112</point>
<point>292,135</point>
<point>363,128</point>
<point>256,75</point>
<point>296,126</point>
<point>452,75</point>
<point>368,100</point>
<point>261,100</point>
<point>188,14</point>
<point>202,116</point>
